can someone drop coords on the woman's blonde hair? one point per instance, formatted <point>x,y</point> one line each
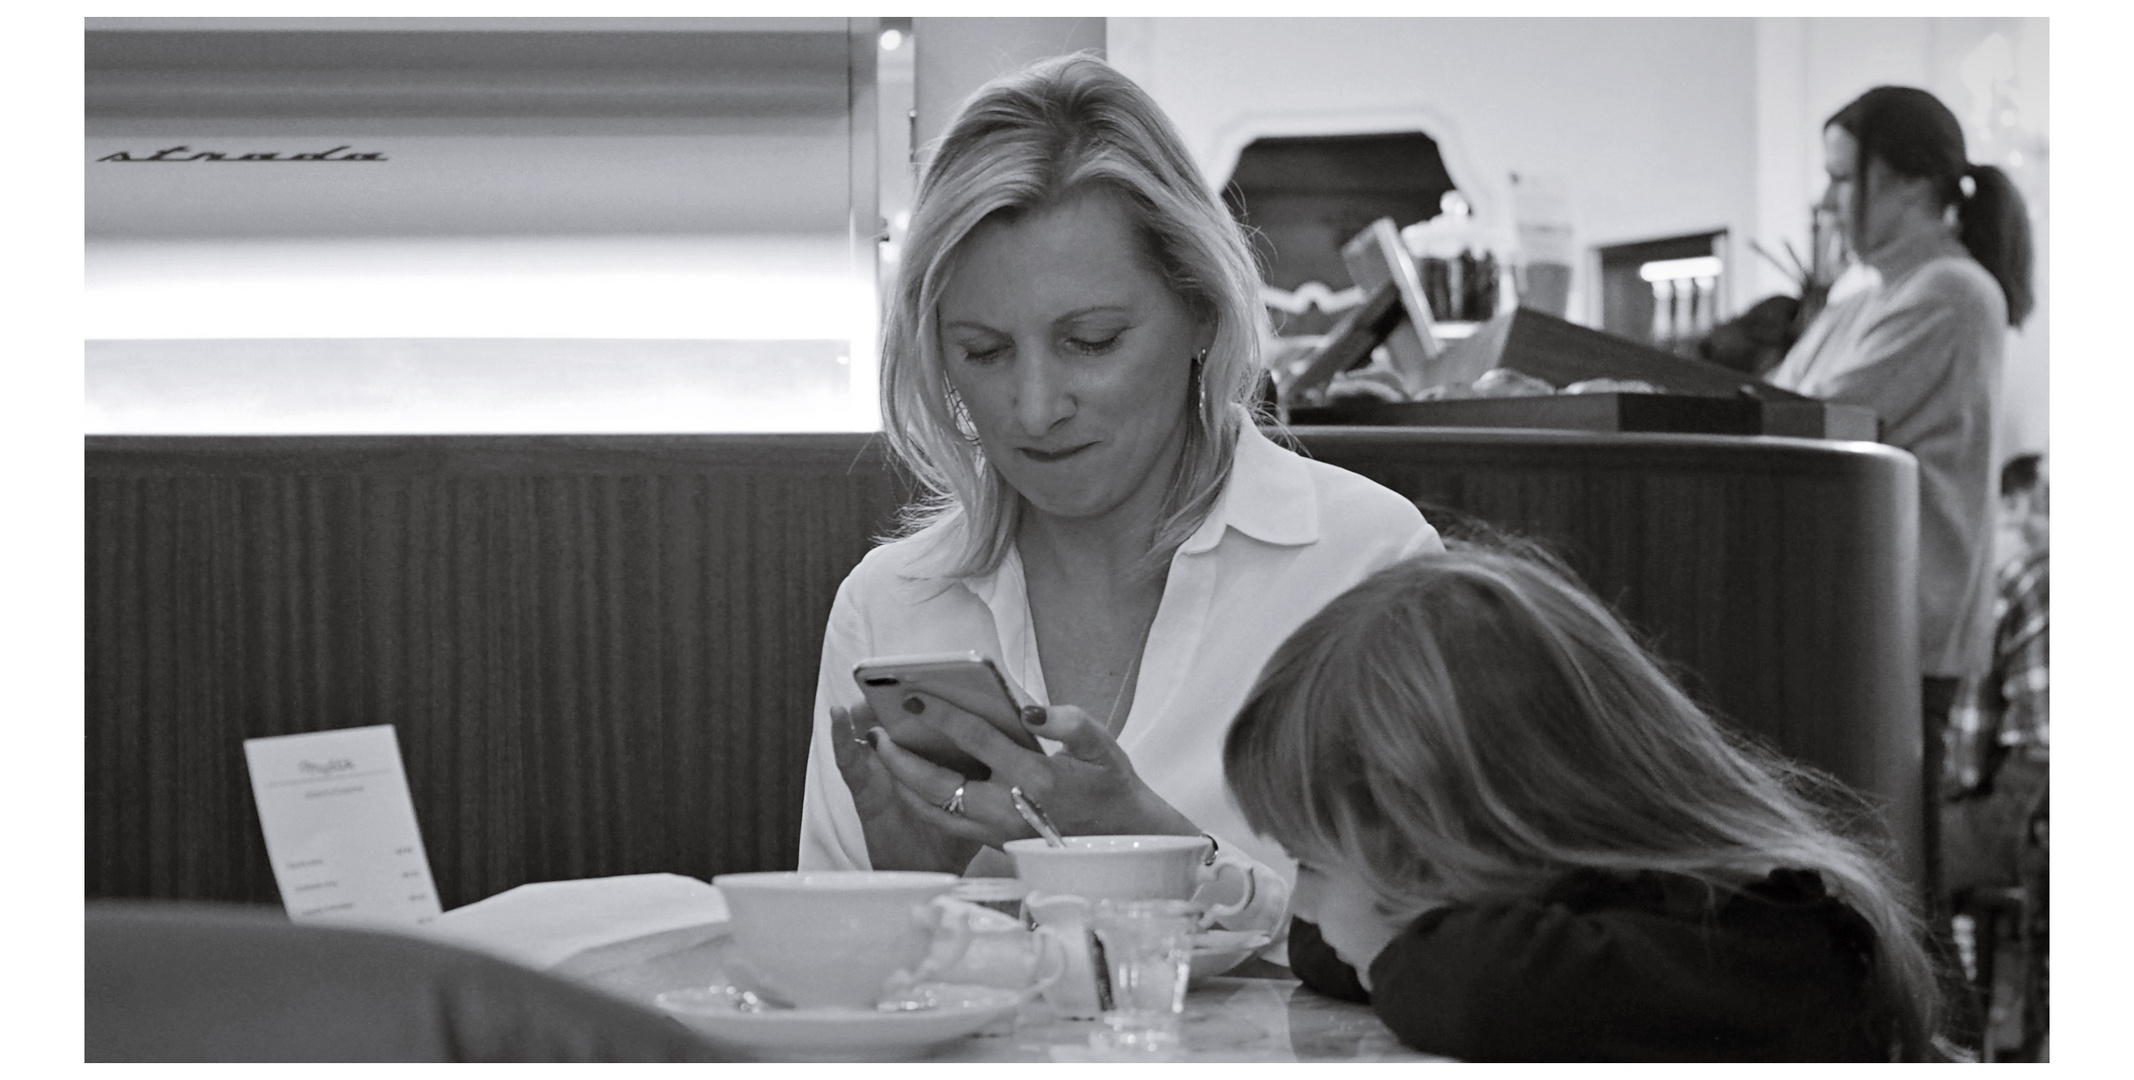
<point>1473,725</point>
<point>1021,144</point>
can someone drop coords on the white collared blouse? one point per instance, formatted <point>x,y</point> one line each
<point>1286,535</point>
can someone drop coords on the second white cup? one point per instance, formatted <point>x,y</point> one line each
<point>1131,868</point>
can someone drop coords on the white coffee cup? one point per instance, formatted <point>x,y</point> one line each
<point>1065,883</point>
<point>1130,868</point>
<point>839,939</point>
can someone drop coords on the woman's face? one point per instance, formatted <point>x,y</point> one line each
<point>1891,200</point>
<point>1073,357</point>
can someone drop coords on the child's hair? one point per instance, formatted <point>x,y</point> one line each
<point>1473,725</point>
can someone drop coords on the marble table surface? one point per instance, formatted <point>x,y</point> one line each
<point>1258,1014</point>
<point>638,936</point>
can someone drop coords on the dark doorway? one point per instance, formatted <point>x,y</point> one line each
<point>1304,196</point>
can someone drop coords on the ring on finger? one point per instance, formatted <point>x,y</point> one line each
<point>954,805</point>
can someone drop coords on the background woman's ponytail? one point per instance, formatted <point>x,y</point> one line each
<point>1996,230</point>
<point>1914,134</point>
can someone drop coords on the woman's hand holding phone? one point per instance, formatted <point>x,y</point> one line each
<point>909,695</point>
<point>1090,788</point>
<point>901,834</point>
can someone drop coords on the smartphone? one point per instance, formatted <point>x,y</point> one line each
<point>908,692</point>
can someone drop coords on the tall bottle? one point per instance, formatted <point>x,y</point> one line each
<point>1541,212</point>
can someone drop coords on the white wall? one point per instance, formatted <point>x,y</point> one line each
<point>1649,125</point>
<point>959,55</point>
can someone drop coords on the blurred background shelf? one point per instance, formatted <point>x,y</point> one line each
<point>1680,413</point>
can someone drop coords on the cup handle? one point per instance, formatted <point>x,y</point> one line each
<point>1072,985</point>
<point>1069,939</point>
<point>1050,947</point>
<point>1218,912</point>
<point>939,915</point>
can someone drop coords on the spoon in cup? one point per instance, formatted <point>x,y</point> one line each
<point>1100,965</point>
<point>1035,815</point>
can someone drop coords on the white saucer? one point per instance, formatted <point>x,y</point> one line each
<point>839,1034</point>
<point>1217,951</point>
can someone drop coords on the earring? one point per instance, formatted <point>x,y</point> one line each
<point>1200,381</point>
<point>962,415</point>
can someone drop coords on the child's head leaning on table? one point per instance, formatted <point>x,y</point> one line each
<point>1473,725</point>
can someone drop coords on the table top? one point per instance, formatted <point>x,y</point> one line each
<point>638,936</point>
<point>1262,1015</point>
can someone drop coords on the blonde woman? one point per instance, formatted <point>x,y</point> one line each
<point>1069,360</point>
<point>1519,840</point>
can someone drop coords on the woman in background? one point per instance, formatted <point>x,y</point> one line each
<point>1917,334</point>
<point>1068,366</point>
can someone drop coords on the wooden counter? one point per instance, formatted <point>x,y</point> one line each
<point>600,652</point>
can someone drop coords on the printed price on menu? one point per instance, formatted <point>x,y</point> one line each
<point>340,826</point>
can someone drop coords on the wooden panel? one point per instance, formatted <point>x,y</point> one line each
<point>600,652</point>
<point>1776,574</point>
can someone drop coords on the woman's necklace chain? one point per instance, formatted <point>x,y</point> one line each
<point>1111,721</point>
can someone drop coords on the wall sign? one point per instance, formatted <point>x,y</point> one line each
<point>173,154</point>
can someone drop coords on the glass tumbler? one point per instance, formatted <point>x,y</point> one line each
<point>1147,952</point>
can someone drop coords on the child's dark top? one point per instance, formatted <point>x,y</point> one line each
<point>1640,967</point>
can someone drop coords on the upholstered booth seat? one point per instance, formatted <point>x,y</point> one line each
<point>209,982</point>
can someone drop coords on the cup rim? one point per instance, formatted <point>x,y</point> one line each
<point>835,880</point>
<point>1144,905</point>
<point>1162,842</point>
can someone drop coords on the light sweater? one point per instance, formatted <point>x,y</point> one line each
<point>1920,342</point>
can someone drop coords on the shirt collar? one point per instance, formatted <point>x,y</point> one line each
<point>1901,257</point>
<point>1269,497</point>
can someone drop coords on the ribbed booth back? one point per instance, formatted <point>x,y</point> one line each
<point>599,653</point>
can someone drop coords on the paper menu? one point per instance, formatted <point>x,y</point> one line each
<point>340,826</point>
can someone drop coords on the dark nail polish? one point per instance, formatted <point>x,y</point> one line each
<point>867,737</point>
<point>1034,715</point>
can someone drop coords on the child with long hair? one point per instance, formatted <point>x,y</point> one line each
<point>1519,839</point>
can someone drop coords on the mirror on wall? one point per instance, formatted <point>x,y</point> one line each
<point>486,225</point>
